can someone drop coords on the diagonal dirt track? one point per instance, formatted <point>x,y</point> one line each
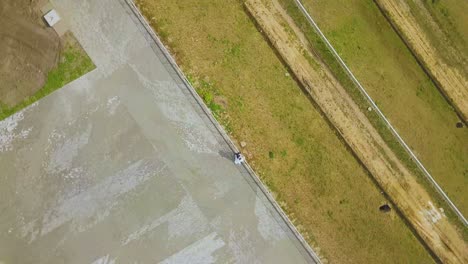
<point>450,79</point>
<point>382,116</point>
<point>411,198</point>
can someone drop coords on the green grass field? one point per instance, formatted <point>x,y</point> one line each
<point>385,67</point>
<point>321,186</point>
<point>74,62</point>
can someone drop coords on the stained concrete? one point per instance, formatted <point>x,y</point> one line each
<point>122,166</point>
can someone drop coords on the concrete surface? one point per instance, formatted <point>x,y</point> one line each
<point>122,166</point>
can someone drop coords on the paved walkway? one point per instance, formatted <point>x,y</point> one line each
<point>123,165</point>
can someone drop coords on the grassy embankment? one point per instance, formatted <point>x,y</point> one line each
<point>386,68</point>
<point>358,132</point>
<point>451,18</point>
<point>315,178</point>
<point>445,23</point>
<point>437,34</point>
<point>74,62</point>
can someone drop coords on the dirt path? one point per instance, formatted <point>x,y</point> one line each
<point>28,50</point>
<point>449,77</point>
<point>411,198</point>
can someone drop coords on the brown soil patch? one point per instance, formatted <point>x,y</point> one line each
<point>409,196</point>
<point>28,50</point>
<point>450,76</point>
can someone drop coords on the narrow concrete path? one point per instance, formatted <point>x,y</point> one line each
<point>124,166</point>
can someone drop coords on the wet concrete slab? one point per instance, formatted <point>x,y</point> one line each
<point>121,166</point>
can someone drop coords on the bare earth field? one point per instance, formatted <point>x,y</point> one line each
<point>28,50</point>
<point>443,53</point>
<point>415,107</point>
<point>35,60</point>
<point>412,199</point>
<point>323,188</point>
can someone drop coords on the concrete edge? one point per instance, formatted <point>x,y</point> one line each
<point>220,130</point>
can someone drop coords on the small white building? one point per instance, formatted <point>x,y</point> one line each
<point>52,17</point>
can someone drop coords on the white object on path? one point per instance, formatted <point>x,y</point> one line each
<point>239,158</point>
